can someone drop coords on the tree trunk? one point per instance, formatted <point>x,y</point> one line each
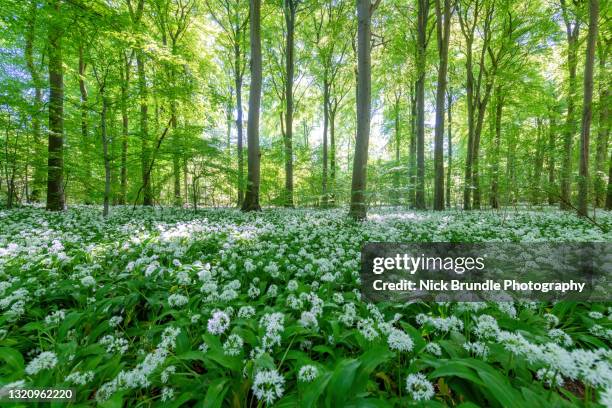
<point>412,150</point>
<point>467,188</point>
<point>251,199</point>
<point>499,106</point>
<point>587,111</point>
<point>85,142</point>
<point>238,85</point>
<point>450,150</point>
<point>551,188</point>
<point>289,11</point>
<point>325,128</point>
<point>176,158</point>
<point>573,33</point>
<point>603,127</point>
<point>332,155</point>
<point>423,12</point>
<point>396,173</point>
<point>55,162</point>
<point>482,106</point>
<point>609,192</point>
<point>39,167</point>
<point>358,208</point>
<point>443,17</point>
<point>144,132</point>
<point>125,80</point>
<point>107,170</point>
<point>539,163</point>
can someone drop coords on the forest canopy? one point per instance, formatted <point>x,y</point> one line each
<point>465,103</point>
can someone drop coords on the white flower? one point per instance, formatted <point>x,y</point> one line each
<point>233,345</point>
<point>80,378</point>
<point>477,348</point>
<point>292,285</point>
<point>165,375</point>
<point>596,315</point>
<point>549,377</point>
<point>218,323</point>
<point>560,337</point>
<point>268,385</point>
<point>88,281</point>
<point>308,373</point>
<point>366,328</point>
<point>551,319</point>
<point>434,349</point>
<point>486,327</point>
<point>114,344</point>
<point>605,397</point>
<point>203,347</point>
<point>167,394</point>
<point>309,320</point>
<point>177,300</point>
<point>418,387</point>
<point>55,317</point>
<point>246,312</point>
<point>115,321</point>
<point>399,340</point>
<point>44,361</point>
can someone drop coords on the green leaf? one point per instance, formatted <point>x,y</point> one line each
<point>340,384</point>
<point>13,364</point>
<point>215,393</point>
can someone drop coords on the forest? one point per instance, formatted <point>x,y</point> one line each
<point>471,104</point>
<point>187,186</point>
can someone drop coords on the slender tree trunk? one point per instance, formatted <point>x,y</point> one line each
<point>144,132</point>
<point>450,149</point>
<point>603,130</point>
<point>467,188</point>
<point>587,111</point>
<point>573,32</point>
<point>422,17</point>
<point>289,10</point>
<point>176,158</point>
<point>251,199</point>
<point>358,208</point>
<point>55,163</point>
<point>325,129</point>
<point>443,17</point>
<point>482,106</point>
<point>107,169</point>
<point>396,174</point>
<point>125,80</point>
<point>499,106</point>
<point>38,148</point>
<point>85,142</point>
<point>412,150</point>
<point>609,191</point>
<point>238,85</point>
<point>552,189</point>
<point>539,163</point>
<point>332,154</point>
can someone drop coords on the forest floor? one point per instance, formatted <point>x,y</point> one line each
<point>169,306</point>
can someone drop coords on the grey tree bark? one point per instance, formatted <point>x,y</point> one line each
<point>443,17</point>
<point>251,199</point>
<point>358,208</point>
<point>587,109</point>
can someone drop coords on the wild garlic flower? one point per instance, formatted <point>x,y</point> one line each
<point>399,340</point>
<point>44,361</point>
<point>308,373</point>
<point>218,323</point>
<point>419,388</point>
<point>268,385</point>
